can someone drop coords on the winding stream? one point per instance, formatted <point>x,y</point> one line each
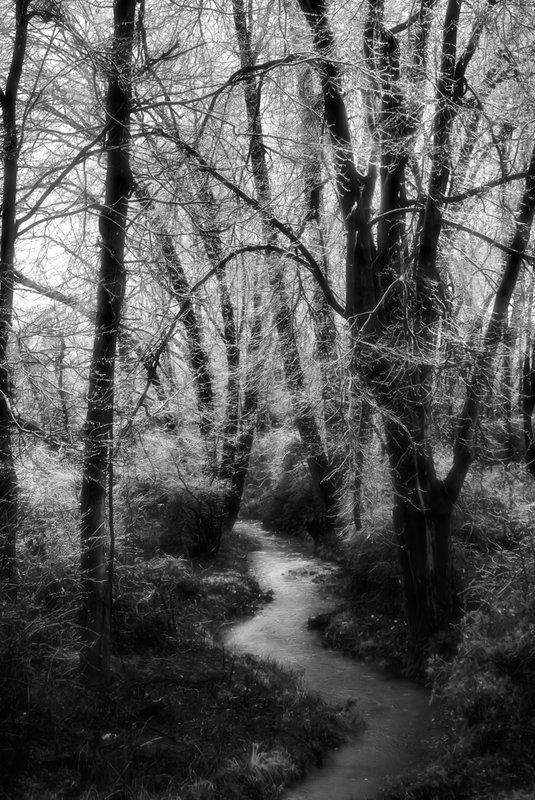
<point>397,714</point>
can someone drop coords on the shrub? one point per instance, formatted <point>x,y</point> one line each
<point>291,507</point>
<point>148,597</point>
<point>194,521</point>
<point>188,521</point>
<point>487,688</point>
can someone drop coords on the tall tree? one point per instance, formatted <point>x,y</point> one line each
<point>396,295</point>
<point>96,578</point>
<point>10,162</point>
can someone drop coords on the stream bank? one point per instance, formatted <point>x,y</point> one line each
<point>180,718</point>
<point>398,718</point>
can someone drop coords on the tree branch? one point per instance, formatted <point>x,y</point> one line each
<point>307,257</point>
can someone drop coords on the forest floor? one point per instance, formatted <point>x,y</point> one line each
<point>181,716</point>
<point>481,678</point>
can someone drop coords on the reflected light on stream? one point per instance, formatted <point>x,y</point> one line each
<point>397,714</point>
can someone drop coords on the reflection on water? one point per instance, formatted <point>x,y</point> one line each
<point>397,713</point>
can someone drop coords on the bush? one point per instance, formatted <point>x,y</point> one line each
<point>185,522</point>
<point>487,688</point>
<point>291,507</point>
<point>194,522</point>
<point>149,597</point>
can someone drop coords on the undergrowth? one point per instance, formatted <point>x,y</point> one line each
<point>482,688</point>
<point>181,716</point>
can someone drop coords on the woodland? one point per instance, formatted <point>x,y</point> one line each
<point>265,260</point>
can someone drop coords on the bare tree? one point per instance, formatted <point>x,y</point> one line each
<point>8,235</point>
<point>96,578</point>
<point>396,292</point>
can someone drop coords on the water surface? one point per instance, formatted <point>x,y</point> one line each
<point>397,714</point>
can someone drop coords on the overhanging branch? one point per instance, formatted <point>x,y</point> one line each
<point>305,257</point>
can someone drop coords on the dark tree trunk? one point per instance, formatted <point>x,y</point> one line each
<point>248,418</point>
<point>206,224</point>
<point>327,345</point>
<point>10,156</point>
<point>468,418</point>
<point>96,578</point>
<point>178,284</point>
<point>397,365</point>
<point>528,407</point>
<point>422,522</point>
<point>362,433</point>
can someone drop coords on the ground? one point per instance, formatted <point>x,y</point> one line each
<point>483,675</point>
<point>181,717</point>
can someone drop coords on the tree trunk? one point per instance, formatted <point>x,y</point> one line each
<point>422,521</point>
<point>248,417</point>
<point>327,344</point>
<point>10,158</point>
<point>386,285</point>
<point>528,407</point>
<point>205,220</point>
<point>362,433</point>
<point>180,289</point>
<point>96,577</point>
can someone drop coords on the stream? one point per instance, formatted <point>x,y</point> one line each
<point>397,714</point>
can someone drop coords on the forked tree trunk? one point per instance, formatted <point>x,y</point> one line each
<point>10,159</point>
<point>397,367</point>
<point>96,578</point>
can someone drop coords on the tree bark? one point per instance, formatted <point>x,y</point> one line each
<point>327,345</point>
<point>466,426</point>
<point>96,578</point>
<point>10,159</point>
<point>179,287</point>
<point>528,407</point>
<point>248,418</point>
<point>205,221</point>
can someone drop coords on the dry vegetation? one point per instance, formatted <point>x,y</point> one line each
<point>182,717</point>
<point>483,672</point>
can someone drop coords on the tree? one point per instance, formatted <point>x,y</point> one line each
<point>98,436</point>
<point>322,470</point>
<point>8,235</point>
<point>396,294</point>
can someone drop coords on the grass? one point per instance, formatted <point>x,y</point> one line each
<point>184,719</point>
<point>483,680</point>
<point>181,718</point>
